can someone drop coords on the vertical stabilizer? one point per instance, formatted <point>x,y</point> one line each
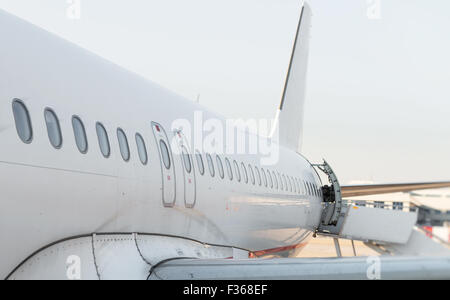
<point>291,110</point>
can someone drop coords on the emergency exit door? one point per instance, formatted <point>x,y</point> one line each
<point>167,167</point>
<point>187,165</point>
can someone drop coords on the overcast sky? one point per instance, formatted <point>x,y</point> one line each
<point>378,97</point>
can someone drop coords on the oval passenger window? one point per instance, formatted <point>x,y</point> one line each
<point>201,166</point>
<point>229,169</point>
<point>53,128</point>
<point>210,165</point>
<point>236,169</point>
<point>165,154</point>
<point>103,140</point>
<point>187,160</point>
<point>23,122</point>
<point>220,167</point>
<point>80,134</point>
<point>142,150</point>
<point>123,144</point>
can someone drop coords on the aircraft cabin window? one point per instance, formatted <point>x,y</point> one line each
<point>186,160</point>
<point>142,150</point>
<point>270,179</point>
<point>123,144</point>
<point>53,128</point>
<point>281,182</point>
<point>220,167</point>
<point>252,175</point>
<point>236,169</point>
<point>23,121</point>
<point>264,176</point>
<point>244,171</point>
<point>80,134</point>
<point>210,165</point>
<point>285,184</point>
<point>229,169</point>
<point>275,180</point>
<point>103,140</point>
<point>165,154</point>
<point>201,166</point>
<point>258,175</point>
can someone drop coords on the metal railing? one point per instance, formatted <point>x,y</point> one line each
<point>390,205</point>
<point>426,215</point>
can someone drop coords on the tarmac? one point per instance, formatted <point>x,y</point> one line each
<point>324,247</point>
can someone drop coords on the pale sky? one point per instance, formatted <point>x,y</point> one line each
<point>378,97</point>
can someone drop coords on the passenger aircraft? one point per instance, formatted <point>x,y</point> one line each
<point>89,173</point>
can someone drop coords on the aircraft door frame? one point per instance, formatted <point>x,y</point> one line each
<point>189,179</point>
<point>167,173</point>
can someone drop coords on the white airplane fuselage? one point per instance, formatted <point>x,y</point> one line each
<point>50,194</point>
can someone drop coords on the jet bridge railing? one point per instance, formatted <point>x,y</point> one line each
<point>427,216</point>
<point>432,217</point>
<point>390,205</point>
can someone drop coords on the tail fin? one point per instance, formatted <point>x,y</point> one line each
<point>290,113</point>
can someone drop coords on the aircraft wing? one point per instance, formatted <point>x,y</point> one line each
<point>352,268</point>
<point>366,190</point>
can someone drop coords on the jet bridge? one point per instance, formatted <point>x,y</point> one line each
<point>353,221</point>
